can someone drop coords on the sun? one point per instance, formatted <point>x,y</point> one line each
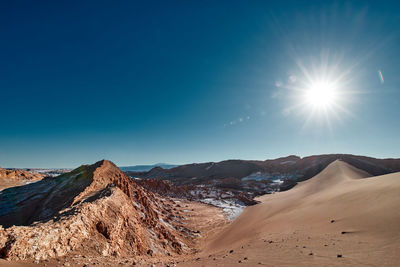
<point>321,94</point>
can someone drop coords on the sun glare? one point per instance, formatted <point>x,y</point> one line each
<point>321,94</point>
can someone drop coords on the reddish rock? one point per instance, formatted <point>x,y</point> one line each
<point>11,178</point>
<point>95,209</point>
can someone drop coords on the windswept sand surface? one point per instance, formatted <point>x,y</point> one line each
<point>340,217</point>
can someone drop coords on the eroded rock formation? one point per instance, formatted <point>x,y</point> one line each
<point>11,178</point>
<point>95,209</point>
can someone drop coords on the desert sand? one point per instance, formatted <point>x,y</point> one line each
<point>342,216</point>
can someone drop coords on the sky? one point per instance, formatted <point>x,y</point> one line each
<point>141,82</point>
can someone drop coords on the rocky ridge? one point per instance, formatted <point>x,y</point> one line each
<point>10,178</point>
<point>93,210</point>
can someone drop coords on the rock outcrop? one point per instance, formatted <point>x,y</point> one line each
<point>95,209</point>
<point>11,178</point>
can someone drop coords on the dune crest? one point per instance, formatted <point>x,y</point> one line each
<point>342,208</point>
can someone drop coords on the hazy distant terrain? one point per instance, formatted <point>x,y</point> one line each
<point>143,168</point>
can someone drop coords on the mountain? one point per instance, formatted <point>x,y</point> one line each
<point>144,168</point>
<point>92,210</point>
<point>97,215</point>
<point>291,168</point>
<point>238,182</point>
<point>11,178</point>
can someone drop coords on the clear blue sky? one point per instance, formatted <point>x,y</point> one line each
<point>194,81</point>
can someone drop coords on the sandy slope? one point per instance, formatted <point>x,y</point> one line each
<point>16,264</point>
<point>295,228</point>
<point>341,211</point>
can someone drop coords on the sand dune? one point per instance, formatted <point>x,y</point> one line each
<point>340,216</point>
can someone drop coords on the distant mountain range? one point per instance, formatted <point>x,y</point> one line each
<point>239,181</point>
<point>286,168</point>
<point>145,168</point>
